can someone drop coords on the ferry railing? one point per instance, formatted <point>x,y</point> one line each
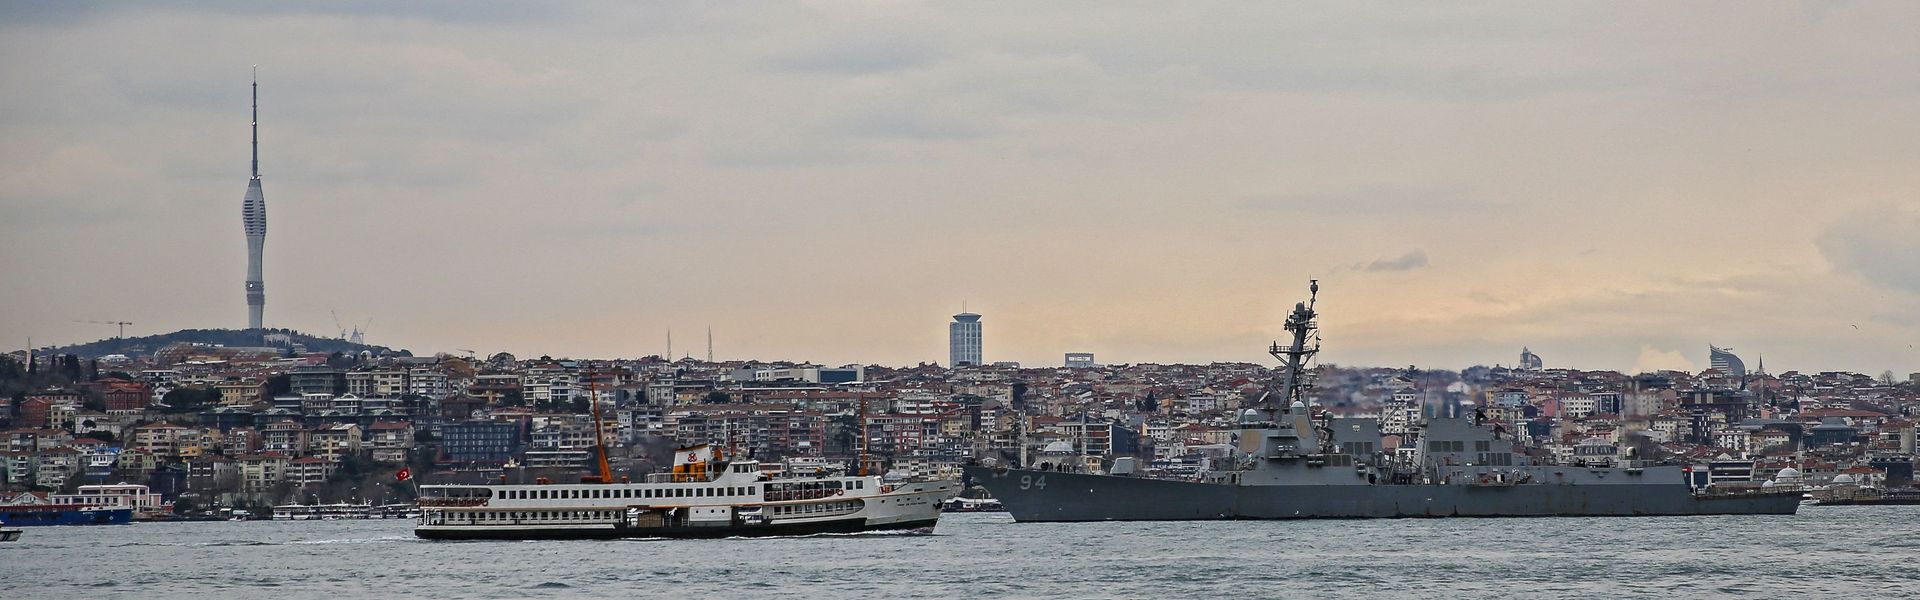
<point>452,502</point>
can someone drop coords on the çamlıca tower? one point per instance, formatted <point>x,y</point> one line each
<point>253,214</point>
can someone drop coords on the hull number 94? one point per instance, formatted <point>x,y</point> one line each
<point>1029,482</point>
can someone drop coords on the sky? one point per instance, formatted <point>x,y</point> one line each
<point>1613,185</point>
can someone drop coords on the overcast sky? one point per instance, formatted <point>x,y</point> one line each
<point>1615,186</point>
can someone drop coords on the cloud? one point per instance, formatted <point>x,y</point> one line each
<point>862,55</point>
<point>1379,200</point>
<point>1654,359</point>
<point>1880,244</point>
<point>1413,259</point>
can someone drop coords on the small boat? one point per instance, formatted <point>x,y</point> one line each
<point>9,534</point>
<point>960,505</point>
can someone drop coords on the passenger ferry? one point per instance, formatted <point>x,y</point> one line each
<point>323,512</point>
<point>705,495</point>
<point>35,508</point>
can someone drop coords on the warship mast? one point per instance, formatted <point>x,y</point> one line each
<point>1294,357</point>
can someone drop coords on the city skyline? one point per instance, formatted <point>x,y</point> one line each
<point>1613,188</point>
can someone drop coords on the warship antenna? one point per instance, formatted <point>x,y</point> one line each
<point>1294,356</point>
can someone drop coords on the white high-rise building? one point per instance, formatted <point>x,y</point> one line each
<point>963,340</point>
<point>1530,361</point>
<point>1723,360</point>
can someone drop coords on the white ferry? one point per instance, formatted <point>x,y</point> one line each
<point>705,495</point>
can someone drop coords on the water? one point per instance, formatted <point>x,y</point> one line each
<point>1824,552</point>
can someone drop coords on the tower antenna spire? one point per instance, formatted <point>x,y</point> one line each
<point>256,121</point>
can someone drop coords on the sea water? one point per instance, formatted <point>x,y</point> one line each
<point>1823,552</point>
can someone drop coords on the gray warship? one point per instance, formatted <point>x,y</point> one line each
<point>1293,463</point>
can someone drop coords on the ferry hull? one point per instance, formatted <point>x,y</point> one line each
<point>91,516</point>
<point>607,532</point>
<point>1031,495</point>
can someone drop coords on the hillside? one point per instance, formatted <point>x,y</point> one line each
<point>278,338</point>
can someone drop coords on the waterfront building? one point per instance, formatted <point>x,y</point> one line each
<point>143,501</point>
<point>479,441</point>
<point>963,340</point>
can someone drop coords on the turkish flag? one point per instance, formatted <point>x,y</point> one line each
<point>403,474</point>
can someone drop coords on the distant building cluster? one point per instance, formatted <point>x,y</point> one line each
<point>232,426</point>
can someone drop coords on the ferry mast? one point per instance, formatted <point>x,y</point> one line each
<point>1294,356</point>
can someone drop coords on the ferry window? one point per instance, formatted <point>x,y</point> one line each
<point>1482,446</point>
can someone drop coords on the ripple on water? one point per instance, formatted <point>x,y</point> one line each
<point>1855,553</point>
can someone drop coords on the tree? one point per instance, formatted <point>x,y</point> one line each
<point>581,406</point>
<point>70,368</point>
<point>187,399</point>
<point>1886,378</point>
<point>279,385</point>
<point>718,397</point>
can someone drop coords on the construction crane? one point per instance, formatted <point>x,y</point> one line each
<point>123,325</point>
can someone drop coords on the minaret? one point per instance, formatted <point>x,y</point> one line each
<point>253,214</point>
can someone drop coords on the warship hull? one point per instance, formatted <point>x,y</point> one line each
<point>1035,495</point>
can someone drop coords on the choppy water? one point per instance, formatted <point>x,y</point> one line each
<point>1824,552</point>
